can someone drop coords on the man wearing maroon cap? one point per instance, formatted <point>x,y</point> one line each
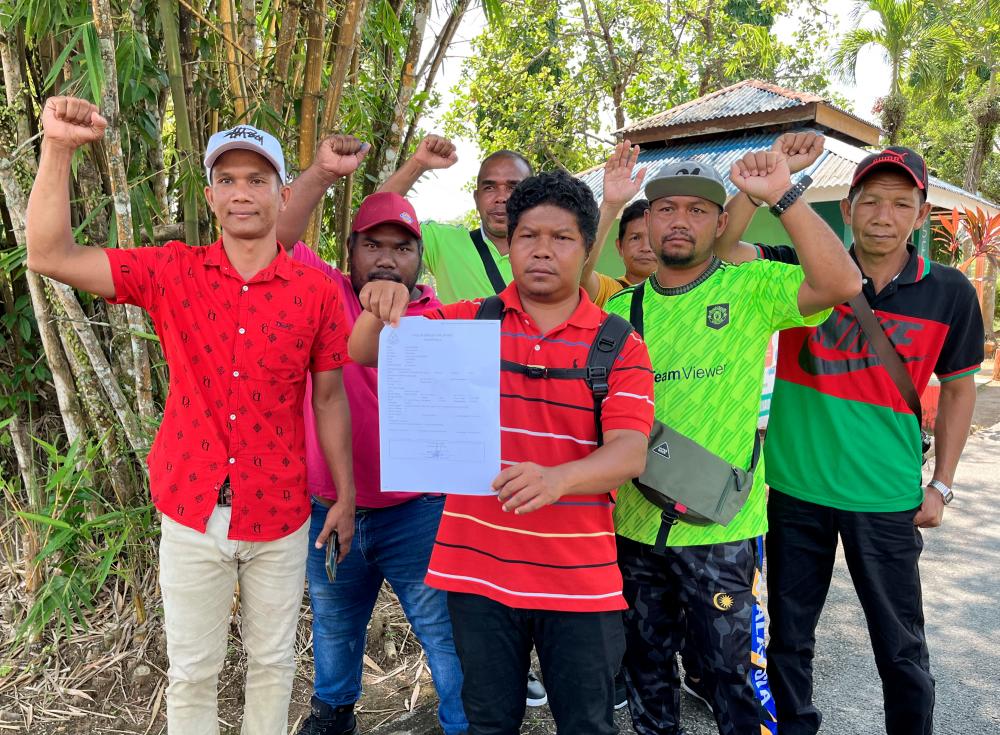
<point>394,532</point>
<point>844,453</point>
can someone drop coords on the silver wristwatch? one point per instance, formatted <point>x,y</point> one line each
<point>945,491</point>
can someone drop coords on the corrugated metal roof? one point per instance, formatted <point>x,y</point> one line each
<point>835,173</point>
<point>720,153</point>
<point>832,171</point>
<point>740,99</point>
<point>744,98</point>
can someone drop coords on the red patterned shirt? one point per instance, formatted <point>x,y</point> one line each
<point>238,353</point>
<point>563,556</point>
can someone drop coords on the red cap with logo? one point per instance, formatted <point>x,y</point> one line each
<point>386,207</point>
<point>897,157</point>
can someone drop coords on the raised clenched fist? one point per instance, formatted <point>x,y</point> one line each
<point>435,152</point>
<point>70,122</point>
<point>339,155</point>
<point>799,149</point>
<point>762,175</point>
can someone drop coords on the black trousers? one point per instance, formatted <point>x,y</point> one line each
<point>703,594</point>
<point>882,550</point>
<point>579,654</point>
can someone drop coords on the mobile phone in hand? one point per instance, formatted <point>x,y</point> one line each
<point>332,553</point>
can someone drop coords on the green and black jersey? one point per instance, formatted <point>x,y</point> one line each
<point>708,343</point>
<point>840,433</point>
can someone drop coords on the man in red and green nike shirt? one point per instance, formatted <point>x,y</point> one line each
<point>832,388</point>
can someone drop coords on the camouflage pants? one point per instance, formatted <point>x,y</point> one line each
<point>706,593</point>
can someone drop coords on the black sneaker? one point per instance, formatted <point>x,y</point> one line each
<point>696,688</point>
<point>621,694</point>
<point>536,692</point>
<point>326,720</point>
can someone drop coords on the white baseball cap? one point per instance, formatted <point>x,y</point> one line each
<point>248,138</point>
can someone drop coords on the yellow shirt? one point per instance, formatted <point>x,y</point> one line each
<point>606,288</point>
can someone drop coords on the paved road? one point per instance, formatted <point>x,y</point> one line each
<point>959,567</point>
<point>961,579</point>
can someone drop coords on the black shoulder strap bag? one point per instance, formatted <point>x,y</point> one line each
<point>601,358</point>
<point>891,361</point>
<point>489,265</point>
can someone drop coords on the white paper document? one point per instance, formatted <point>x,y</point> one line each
<point>439,406</point>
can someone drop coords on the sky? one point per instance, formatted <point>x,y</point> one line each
<point>440,195</point>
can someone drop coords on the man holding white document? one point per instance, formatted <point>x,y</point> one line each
<point>533,562</point>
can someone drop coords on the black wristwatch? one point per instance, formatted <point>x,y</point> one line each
<point>791,195</point>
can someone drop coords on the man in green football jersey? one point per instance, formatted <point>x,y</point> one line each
<point>707,325</point>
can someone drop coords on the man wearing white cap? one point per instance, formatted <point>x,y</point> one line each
<point>241,326</point>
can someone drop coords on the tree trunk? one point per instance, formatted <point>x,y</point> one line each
<point>283,53</point>
<point>34,573</point>
<point>989,301</point>
<point>187,154</point>
<point>248,42</point>
<point>122,203</point>
<point>431,66</point>
<point>344,223</point>
<point>404,92</point>
<point>346,40</point>
<point>986,113</point>
<point>68,302</point>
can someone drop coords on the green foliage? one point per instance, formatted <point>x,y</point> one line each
<point>561,76</point>
<point>917,43</point>
<point>524,92</point>
<point>83,537</point>
<point>953,106</point>
<point>942,131</point>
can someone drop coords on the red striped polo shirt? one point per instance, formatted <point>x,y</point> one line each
<point>561,557</point>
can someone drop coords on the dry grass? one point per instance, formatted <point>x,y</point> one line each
<point>110,676</point>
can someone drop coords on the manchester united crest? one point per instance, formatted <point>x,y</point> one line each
<point>717,316</point>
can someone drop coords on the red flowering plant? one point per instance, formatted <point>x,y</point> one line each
<point>973,239</point>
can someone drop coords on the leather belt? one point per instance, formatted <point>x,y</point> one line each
<point>225,495</point>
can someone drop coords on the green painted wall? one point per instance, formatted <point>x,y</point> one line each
<point>609,263</point>
<point>765,227</point>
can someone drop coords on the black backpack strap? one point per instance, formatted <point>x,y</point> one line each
<point>604,350</point>
<point>490,308</point>
<point>489,265</point>
<point>635,310</point>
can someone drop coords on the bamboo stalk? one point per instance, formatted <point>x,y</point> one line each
<point>17,206</point>
<point>347,37</point>
<point>67,300</point>
<point>404,92</point>
<point>309,114</point>
<point>185,148</point>
<point>141,372</point>
<point>344,220</point>
<point>234,71</point>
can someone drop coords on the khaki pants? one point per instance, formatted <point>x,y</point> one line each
<point>198,575</point>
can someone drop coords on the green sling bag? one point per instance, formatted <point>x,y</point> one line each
<point>682,478</point>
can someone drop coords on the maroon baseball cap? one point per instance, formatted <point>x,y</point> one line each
<point>386,207</point>
<point>895,157</point>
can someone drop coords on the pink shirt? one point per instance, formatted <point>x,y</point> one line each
<point>361,385</point>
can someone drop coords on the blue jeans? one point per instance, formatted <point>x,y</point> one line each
<point>393,544</point>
